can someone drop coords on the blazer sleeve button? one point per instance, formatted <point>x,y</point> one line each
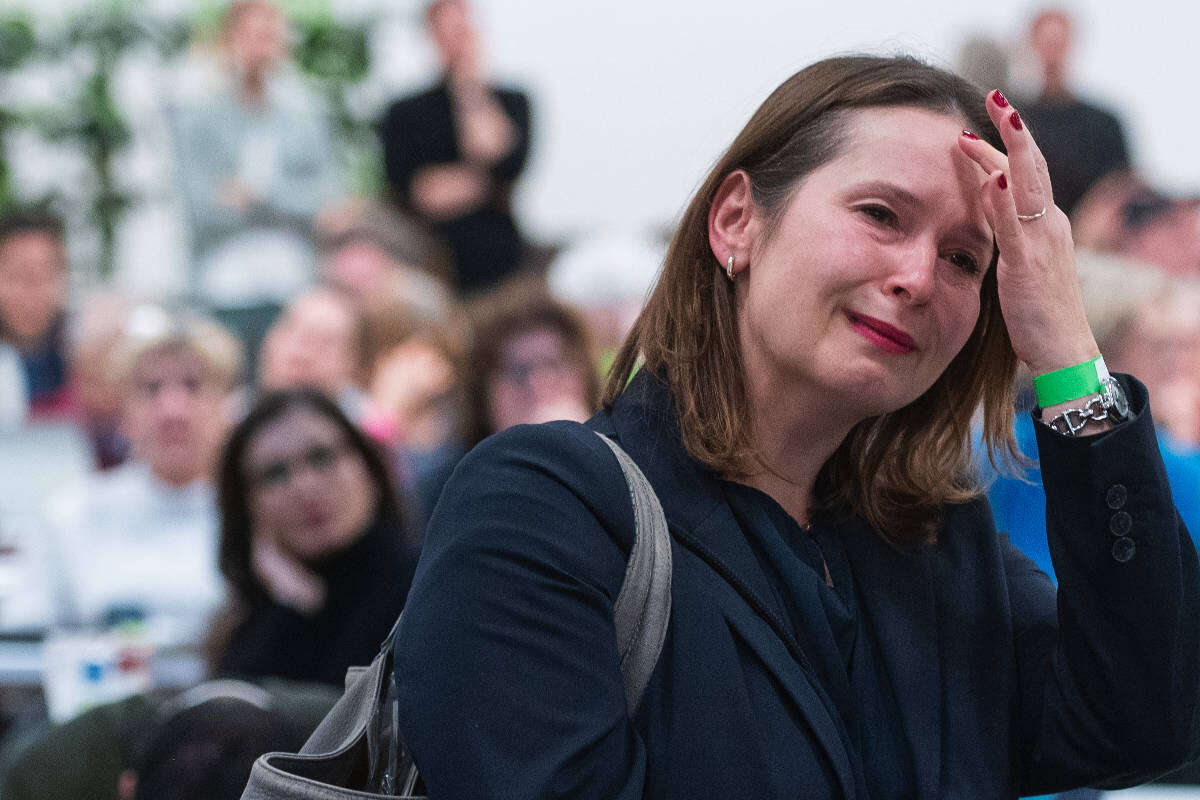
<point>1116,497</point>
<point>1121,523</point>
<point>1123,549</point>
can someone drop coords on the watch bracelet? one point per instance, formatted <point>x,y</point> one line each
<point>1093,410</point>
<point>1108,403</point>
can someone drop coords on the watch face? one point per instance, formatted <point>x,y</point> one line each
<point>1117,398</point>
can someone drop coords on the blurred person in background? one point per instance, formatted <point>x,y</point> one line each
<point>1082,142</point>
<point>372,253</point>
<point>1144,322</point>
<point>197,741</point>
<point>139,542</point>
<point>1123,214</point>
<point>313,544</point>
<point>530,361</point>
<point>255,164</point>
<point>34,282</point>
<point>416,399</point>
<point>1161,337</point>
<point>317,342</point>
<point>205,751</point>
<point>453,152</point>
<point>96,330</point>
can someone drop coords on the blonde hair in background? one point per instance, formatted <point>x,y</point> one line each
<point>152,329</point>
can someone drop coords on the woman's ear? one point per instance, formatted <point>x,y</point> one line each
<point>733,221</point>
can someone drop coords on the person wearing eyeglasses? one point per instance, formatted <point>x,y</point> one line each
<point>531,361</point>
<point>312,544</point>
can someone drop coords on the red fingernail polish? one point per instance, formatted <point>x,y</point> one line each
<point>969,135</point>
<point>999,99</point>
<point>1002,181</point>
<point>1015,119</point>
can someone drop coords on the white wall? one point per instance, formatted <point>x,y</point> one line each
<point>635,98</point>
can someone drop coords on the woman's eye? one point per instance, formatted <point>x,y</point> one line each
<point>965,262</point>
<point>880,214</point>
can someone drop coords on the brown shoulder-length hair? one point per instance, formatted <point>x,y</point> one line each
<point>895,470</point>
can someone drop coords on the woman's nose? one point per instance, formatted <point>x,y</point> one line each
<point>913,274</point>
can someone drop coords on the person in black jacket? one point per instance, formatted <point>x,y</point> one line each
<point>1082,141</point>
<point>856,276</point>
<point>312,544</point>
<point>452,154</point>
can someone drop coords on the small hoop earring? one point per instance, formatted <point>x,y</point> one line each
<point>729,267</point>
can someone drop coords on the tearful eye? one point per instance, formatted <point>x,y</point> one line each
<point>965,262</point>
<point>880,214</point>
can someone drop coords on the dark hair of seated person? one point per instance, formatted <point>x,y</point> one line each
<point>256,635</point>
<point>205,752</point>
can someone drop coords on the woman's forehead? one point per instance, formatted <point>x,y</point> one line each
<point>905,140</point>
<point>293,430</point>
<point>915,150</point>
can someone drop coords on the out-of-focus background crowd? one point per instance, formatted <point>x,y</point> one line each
<point>255,302</point>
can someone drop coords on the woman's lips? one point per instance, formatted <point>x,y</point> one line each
<point>884,336</point>
<point>314,516</point>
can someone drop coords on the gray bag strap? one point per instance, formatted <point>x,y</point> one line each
<point>643,606</point>
<point>326,762</point>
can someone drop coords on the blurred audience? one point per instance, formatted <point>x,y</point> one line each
<point>530,361</point>
<point>255,164</point>
<point>34,282</point>
<point>205,751</point>
<point>96,330</point>
<point>1146,324</point>
<point>313,544</point>
<point>1159,341</point>
<point>1082,142</point>
<point>1122,214</point>
<point>416,400</point>
<point>317,342</point>
<point>197,744</point>
<point>453,152</point>
<point>139,542</point>
<point>374,254</point>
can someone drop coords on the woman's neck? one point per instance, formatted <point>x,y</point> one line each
<point>793,438</point>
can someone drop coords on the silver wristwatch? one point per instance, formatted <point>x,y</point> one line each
<point>1110,404</point>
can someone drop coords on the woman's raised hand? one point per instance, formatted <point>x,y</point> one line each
<point>1038,286</point>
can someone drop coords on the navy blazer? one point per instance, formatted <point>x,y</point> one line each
<point>507,666</point>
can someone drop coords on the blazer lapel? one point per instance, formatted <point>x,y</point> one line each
<point>701,521</point>
<point>897,596</point>
<point>645,423</point>
<point>720,543</point>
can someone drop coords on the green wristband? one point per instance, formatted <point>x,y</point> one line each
<point>1069,383</point>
